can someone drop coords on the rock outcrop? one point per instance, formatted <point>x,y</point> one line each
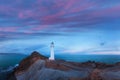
<point>38,67</point>
<point>27,62</point>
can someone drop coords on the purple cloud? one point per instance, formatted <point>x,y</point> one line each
<point>21,19</point>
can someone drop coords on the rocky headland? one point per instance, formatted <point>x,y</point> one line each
<point>39,67</point>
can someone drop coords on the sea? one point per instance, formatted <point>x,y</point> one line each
<point>10,59</point>
<point>7,60</point>
<point>109,59</point>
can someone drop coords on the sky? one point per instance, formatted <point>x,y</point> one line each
<point>75,26</point>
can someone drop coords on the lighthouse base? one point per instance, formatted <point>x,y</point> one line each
<point>51,58</point>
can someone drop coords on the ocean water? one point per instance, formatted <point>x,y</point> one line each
<point>7,60</point>
<point>110,59</point>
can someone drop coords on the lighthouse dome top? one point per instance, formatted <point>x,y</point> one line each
<point>52,42</point>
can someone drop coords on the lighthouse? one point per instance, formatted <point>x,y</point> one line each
<point>52,52</point>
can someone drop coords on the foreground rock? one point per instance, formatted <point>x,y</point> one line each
<point>38,67</point>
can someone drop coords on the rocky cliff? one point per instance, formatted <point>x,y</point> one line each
<point>38,67</point>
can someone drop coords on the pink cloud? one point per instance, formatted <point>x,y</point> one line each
<point>8,29</point>
<point>21,15</point>
<point>81,12</point>
<point>26,14</point>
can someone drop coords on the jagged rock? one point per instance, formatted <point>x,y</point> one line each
<point>118,63</point>
<point>95,75</point>
<point>56,65</point>
<point>28,61</point>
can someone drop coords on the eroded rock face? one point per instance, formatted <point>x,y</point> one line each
<point>38,67</point>
<point>27,62</point>
<point>95,75</point>
<point>56,65</point>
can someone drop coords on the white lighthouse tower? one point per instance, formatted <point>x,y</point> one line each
<point>52,52</point>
